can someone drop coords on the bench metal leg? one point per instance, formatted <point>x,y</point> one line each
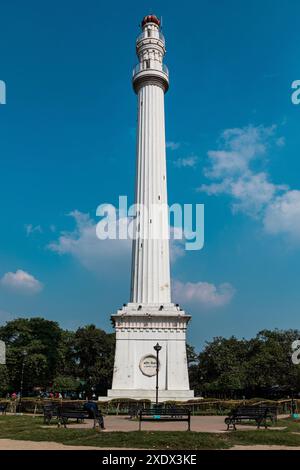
<point>60,423</point>
<point>140,425</point>
<point>259,422</point>
<point>230,422</point>
<point>265,424</point>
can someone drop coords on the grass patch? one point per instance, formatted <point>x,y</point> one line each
<point>29,428</point>
<point>264,437</point>
<point>291,424</point>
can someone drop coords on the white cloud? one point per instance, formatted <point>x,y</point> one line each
<point>173,145</point>
<point>283,215</point>
<point>186,162</point>
<point>30,229</point>
<point>251,192</point>
<point>239,147</point>
<point>203,294</point>
<point>102,255</point>
<point>230,169</point>
<point>21,281</point>
<point>94,254</point>
<point>232,172</point>
<point>224,163</point>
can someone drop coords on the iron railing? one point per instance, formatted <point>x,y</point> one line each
<point>141,67</point>
<point>153,34</point>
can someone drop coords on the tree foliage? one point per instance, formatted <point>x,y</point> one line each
<point>35,345</point>
<point>94,352</point>
<point>53,358</point>
<point>61,360</point>
<point>258,366</point>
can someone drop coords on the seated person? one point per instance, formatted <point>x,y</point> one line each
<point>93,411</point>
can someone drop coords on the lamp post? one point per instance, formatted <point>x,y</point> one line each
<point>157,348</point>
<point>24,354</point>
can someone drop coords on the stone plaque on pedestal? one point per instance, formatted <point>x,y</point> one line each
<point>148,365</point>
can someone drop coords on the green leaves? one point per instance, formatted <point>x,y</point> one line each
<point>56,359</point>
<point>94,351</point>
<point>252,366</point>
<point>83,360</point>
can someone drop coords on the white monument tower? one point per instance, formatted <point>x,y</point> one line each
<point>150,317</point>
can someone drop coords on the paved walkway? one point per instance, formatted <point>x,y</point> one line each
<point>213,424</point>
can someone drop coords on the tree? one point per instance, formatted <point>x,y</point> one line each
<point>56,358</point>
<point>222,365</point>
<point>94,351</point>
<point>68,363</point>
<point>259,366</point>
<point>270,363</point>
<point>63,383</point>
<point>40,339</point>
<point>4,379</point>
<point>193,367</point>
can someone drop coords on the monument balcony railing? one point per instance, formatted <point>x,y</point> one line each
<point>141,67</point>
<point>153,35</point>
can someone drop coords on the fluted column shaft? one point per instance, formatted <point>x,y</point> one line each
<point>150,281</point>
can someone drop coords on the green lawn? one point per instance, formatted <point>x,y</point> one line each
<point>29,428</point>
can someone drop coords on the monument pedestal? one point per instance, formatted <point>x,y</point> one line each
<point>163,395</point>
<point>138,328</point>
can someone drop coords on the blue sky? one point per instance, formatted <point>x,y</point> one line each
<point>67,144</point>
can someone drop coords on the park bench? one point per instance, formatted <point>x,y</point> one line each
<point>79,413</point>
<point>3,407</point>
<point>167,414</point>
<point>259,414</point>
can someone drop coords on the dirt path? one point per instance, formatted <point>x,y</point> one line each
<point>10,444</point>
<point>264,447</point>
